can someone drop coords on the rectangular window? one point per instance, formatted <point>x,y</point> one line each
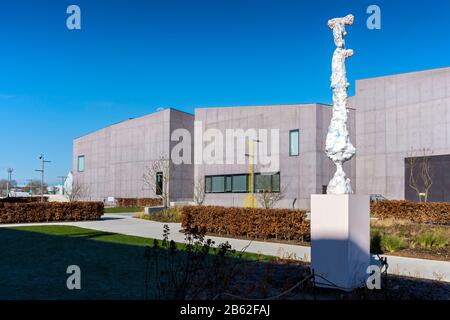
<point>80,164</point>
<point>294,142</point>
<point>267,182</point>
<point>159,183</point>
<point>276,182</point>
<point>218,184</point>
<point>207,184</point>
<point>240,183</point>
<point>228,184</point>
<point>263,182</point>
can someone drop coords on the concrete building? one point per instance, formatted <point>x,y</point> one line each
<point>111,162</point>
<point>391,119</point>
<point>303,169</point>
<point>400,116</point>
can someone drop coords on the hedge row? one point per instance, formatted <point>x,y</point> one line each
<point>260,223</point>
<point>420,212</point>
<point>50,211</point>
<point>138,202</point>
<point>23,199</point>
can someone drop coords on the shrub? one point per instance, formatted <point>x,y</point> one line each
<point>50,211</point>
<point>166,215</point>
<point>138,202</point>
<point>430,239</point>
<point>419,212</point>
<point>261,223</point>
<point>392,243</point>
<point>23,199</point>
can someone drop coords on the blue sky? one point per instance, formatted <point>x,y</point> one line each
<point>131,57</point>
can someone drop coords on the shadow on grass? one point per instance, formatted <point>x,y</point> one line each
<point>33,265</point>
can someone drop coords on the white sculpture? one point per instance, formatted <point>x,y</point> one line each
<point>68,184</point>
<point>338,146</point>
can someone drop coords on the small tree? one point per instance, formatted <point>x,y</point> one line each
<point>199,191</point>
<point>78,192</point>
<point>157,177</point>
<point>268,198</point>
<point>420,175</point>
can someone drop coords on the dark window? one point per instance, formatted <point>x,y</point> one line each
<point>267,182</point>
<point>159,183</point>
<point>80,164</point>
<point>324,189</point>
<point>294,138</point>
<point>240,183</point>
<point>218,184</point>
<point>207,184</point>
<point>228,183</point>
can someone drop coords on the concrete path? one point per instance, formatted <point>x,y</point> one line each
<point>125,224</point>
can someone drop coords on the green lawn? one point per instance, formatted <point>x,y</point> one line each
<point>35,259</point>
<point>124,209</point>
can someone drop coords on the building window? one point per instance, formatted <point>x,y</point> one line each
<point>218,184</point>
<point>208,184</point>
<point>267,182</point>
<point>80,164</point>
<point>226,183</point>
<point>294,142</point>
<point>240,183</point>
<point>159,183</point>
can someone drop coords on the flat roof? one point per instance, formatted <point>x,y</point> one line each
<point>405,73</point>
<point>133,118</point>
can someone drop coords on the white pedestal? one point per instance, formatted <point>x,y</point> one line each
<point>340,239</point>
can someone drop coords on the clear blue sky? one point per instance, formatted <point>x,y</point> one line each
<point>131,57</point>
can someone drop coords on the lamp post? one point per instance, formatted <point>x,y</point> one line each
<point>42,170</point>
<point>8,183</point>
<point>250,200</point>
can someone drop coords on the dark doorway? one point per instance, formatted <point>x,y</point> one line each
<point>159,183</point>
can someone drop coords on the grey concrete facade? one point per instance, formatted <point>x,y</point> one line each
<point>117,156</point>
<point>396,116</point>
<point>390,118</point>
<point>300,175</point>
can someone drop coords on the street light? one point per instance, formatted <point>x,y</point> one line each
<point>42,170</point>
<point>8,183</point>
<point>250,200</point>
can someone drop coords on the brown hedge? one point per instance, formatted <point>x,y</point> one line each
<point>260,223</point>
<point>23,199</point>
<point>420,212</point>
<point>138,202</point>
<point>50,211</point>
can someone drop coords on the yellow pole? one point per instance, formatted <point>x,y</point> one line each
<point>250,201</point>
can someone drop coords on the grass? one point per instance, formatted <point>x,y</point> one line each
<point>430,239</point>
<point>35,259</point>
<point>391,243</point>
<point>123,209</point>
<point>414,239</point>
<point>167,215</point>
<point>72,231</point>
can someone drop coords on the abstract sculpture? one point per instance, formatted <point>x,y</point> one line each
<point>338,146</point>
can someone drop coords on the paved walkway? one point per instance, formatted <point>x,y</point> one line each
<point>125,224</point>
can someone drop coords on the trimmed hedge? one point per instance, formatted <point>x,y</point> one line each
<point>420,212</point>
<point>282,224</point>
<point>50,211</point>
<point>138,202</point>
<point>23,199</point>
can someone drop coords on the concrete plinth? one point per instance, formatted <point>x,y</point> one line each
<point>340,239</point>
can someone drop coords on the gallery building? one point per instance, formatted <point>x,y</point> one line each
<point>391,119</point>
